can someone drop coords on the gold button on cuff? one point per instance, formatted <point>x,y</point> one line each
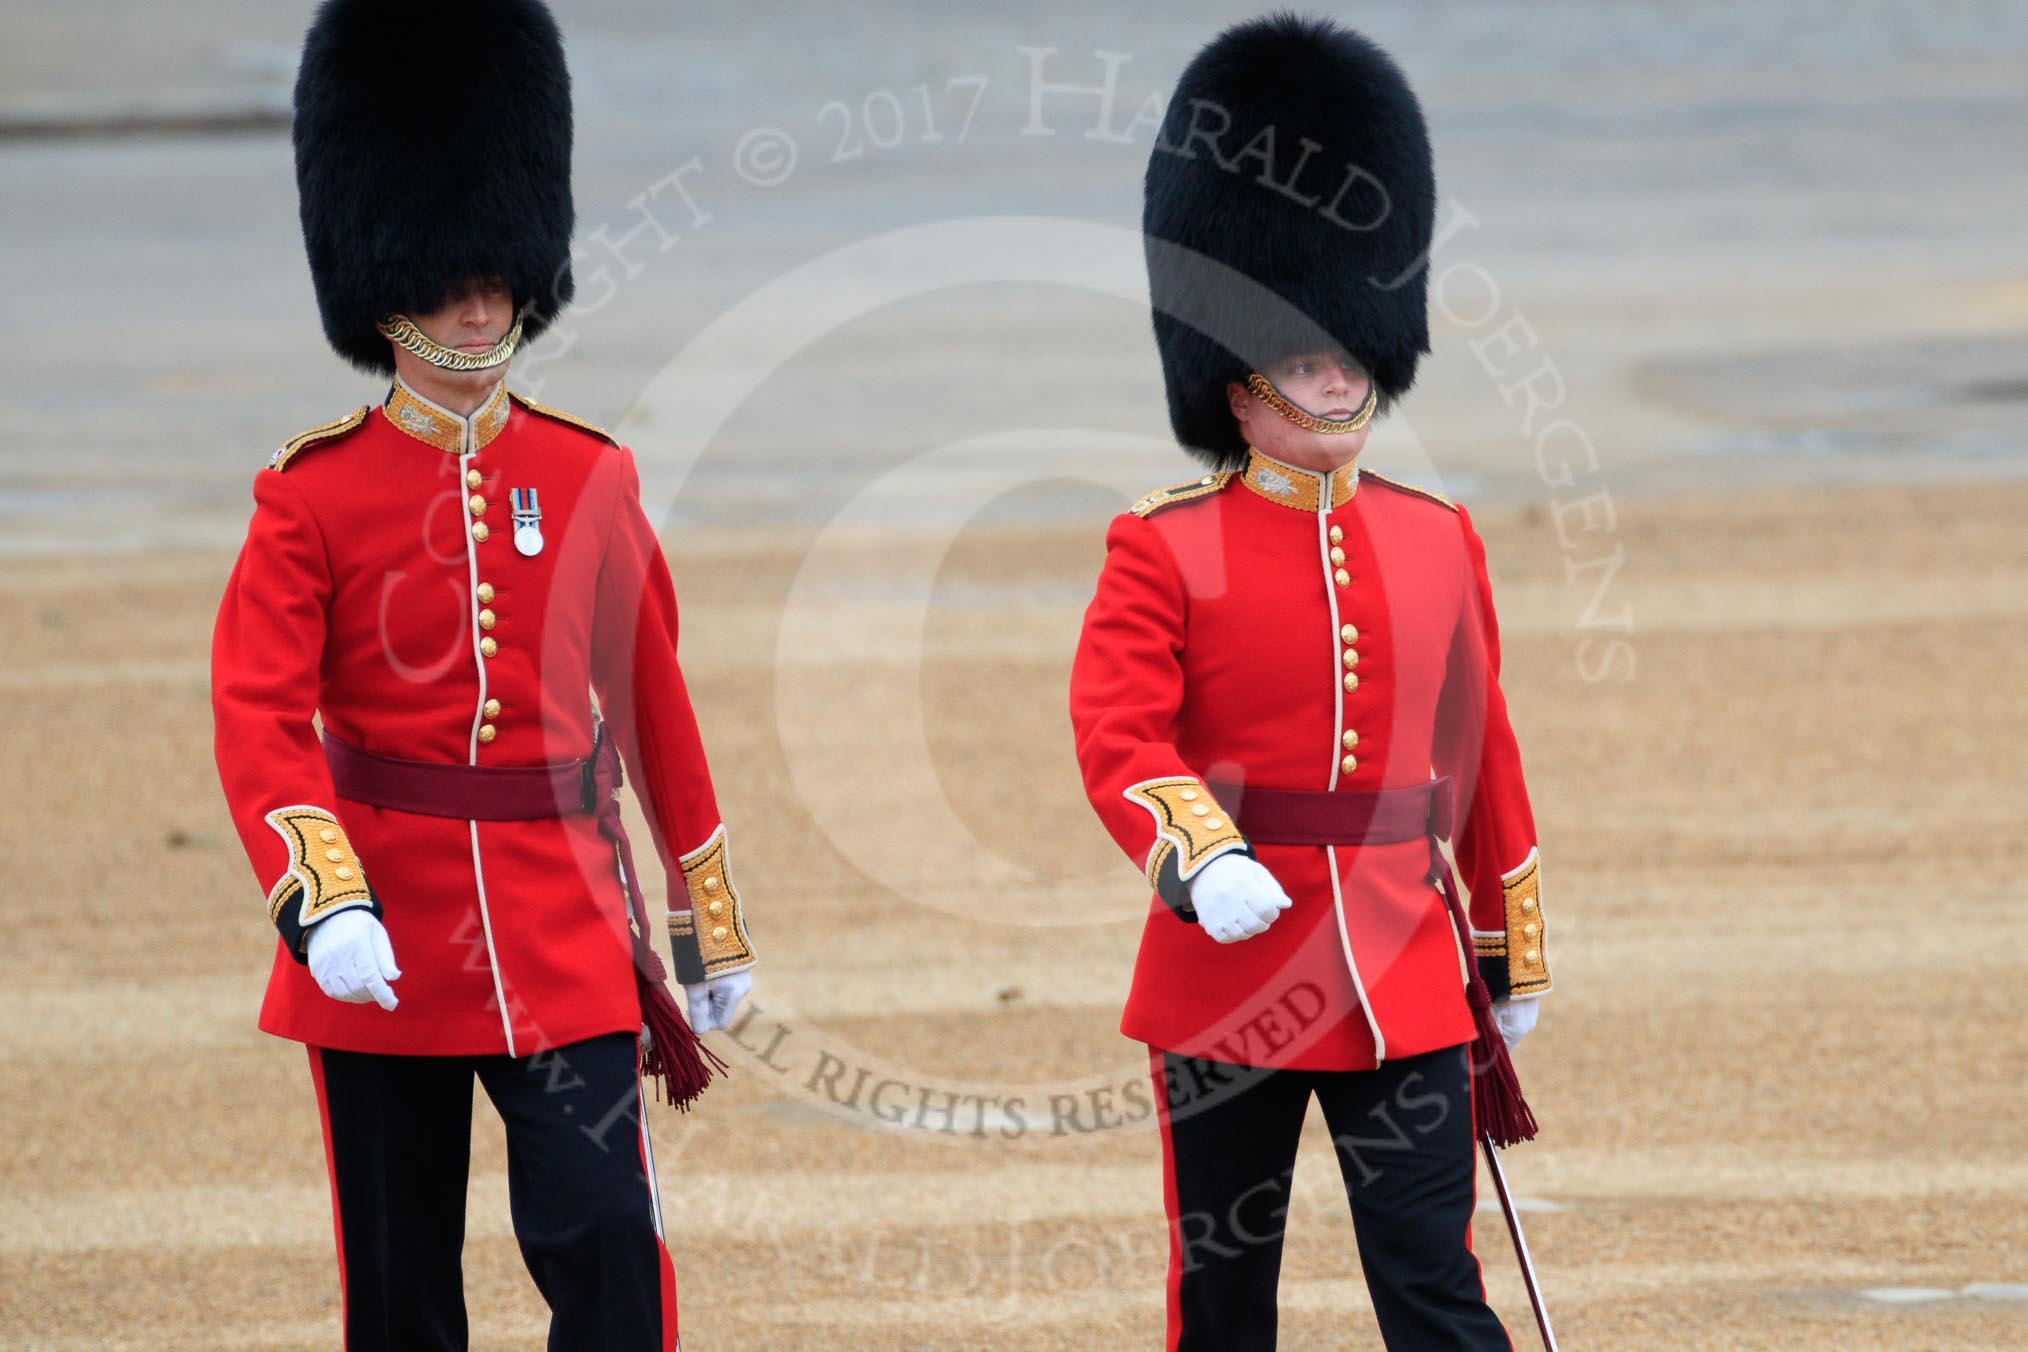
<point>711,883</point>
<point>1190,833</point>
<point>473,478</point>
<point>478,505</point>
<point>1188,795</point>
<point>479,531</point>
<point>1530,930</point>
<point>491,708</point>
<point>718,933</point>
<point>1350,739</point>
<point>1337,556</point>
<point>1349,632</point>
<point>1528,905</point>
<point>1343,578</point>
<point>1349,764</point>
<point>1337,534</point>
<point>316,878</point>
<point>716,908</point>
<point>485,593</point>
<point>1351,657</point>
<point>1533,957</point>
<point>1351,680</point>
<point>487,619</point>
<point>486,732</point>
<point>487,647</point>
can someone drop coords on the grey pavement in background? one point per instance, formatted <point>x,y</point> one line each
<point>1757,245</point>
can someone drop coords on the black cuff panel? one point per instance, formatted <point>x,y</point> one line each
<point>1493,971</point>
<point>687,958</point>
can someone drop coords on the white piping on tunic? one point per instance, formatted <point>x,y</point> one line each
<point>1337,723</point>
<point>472,753</point>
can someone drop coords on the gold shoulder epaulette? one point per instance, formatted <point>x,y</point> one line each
<point>1416,489</point>
<point>562,417</point>
<point>1183,492</point>
<point>316,435</point>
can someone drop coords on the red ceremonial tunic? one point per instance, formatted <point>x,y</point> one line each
<point>1282,628</point>
<point>381,585</point>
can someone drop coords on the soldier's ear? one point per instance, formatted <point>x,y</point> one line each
<point>1238,398</point>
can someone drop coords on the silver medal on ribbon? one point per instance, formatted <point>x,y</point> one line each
<point>527,521</point>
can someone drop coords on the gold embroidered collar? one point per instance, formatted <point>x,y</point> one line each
<point>1302,489</point>
<point>447,431</point>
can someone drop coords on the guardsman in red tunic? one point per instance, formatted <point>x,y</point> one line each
<point>447,578</point>
<point>1286,696</point>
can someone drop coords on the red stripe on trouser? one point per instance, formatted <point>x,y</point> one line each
<point>667,1266</point>
<point>330,1168</point>
<point>1169,1203</point>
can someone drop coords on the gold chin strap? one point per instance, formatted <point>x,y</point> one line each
<point>1264,390</point>
<point>401,330</point>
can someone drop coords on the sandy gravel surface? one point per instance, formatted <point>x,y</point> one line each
<point>1779,1071</point>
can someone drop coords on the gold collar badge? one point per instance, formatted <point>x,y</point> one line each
<point>1302,489</point>
<point>439,427</point>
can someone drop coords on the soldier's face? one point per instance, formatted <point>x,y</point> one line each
<point>474,315</point>
<point>1328,384</point>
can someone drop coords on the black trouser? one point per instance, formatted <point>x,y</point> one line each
<point>580,1179</point>
<point>1405,1147</point>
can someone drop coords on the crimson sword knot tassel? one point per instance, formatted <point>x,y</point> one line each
<point>674,1059</point>
<point>1499,1112</point>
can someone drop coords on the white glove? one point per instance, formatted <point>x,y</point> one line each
<point>352,958</point>
<point>1236,898</point>
<point>712,1002</point>
<point>1514,1018</point>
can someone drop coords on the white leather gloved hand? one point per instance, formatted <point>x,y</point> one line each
<point>712,1002</point>
<point>1514,1018</point>
<point>1236,898</point>
<point>352,958</point>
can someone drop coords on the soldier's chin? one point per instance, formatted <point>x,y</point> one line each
<point>1342,422</point>
<point>1332,437</point>
<point>476,376</point>
<point>1335,450</point>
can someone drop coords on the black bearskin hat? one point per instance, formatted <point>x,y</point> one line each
<point>432,144</point>
<point>1288,205</point>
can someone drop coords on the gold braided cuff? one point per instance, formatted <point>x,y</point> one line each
<point>1188,824</point>
<point>1264,390</point>
<point>324,875</point>
<point>714,916</point>
<point>1527,957</point>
